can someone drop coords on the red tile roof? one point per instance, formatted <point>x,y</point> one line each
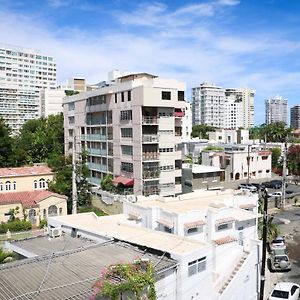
<point>28,199</point>
<point>225,240</point>
<point>23,171</point>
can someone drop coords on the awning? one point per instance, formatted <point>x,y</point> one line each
<point>123,180</point>
<point>194,224</point>
<point>225,240</point>
<point>224,221</point>
<point>165,223</point>
<point>247,205</point>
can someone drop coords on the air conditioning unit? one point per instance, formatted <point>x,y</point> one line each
<point>55,232</point>
<point>131,198</point>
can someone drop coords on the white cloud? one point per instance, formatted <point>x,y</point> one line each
<point>59,3</point>
<point>228,2</point>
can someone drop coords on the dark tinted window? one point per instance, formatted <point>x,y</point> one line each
<point>166,95</point>
<point>280,294</point>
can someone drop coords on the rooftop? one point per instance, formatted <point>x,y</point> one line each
<point>28,199</point>
<point>43,245</point>
<point>25,171</point>
<point>116,226</point>
<point>70,274</point>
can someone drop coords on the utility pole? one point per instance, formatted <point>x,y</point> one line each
<point>248,165</point>
<point>284,175</point>
<point>74,186</point>
<point>264,246</point>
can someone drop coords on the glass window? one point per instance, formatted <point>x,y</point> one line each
<point>165,95</point>
<point>197,266</point>
<point>7,186</point>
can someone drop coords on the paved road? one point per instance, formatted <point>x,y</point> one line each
<point>291,232</point>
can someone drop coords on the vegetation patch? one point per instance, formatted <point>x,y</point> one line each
<point>90,208</point>
<point>136,281</point>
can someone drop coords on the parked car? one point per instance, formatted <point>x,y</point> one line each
<point>285,290</point>
<point>280,260</point>
<point>247,186</point>
<point>275,194</point>
<point>278,183</point>
<point>278,243</point>
<point>289,192</point>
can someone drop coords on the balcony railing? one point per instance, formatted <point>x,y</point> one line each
<point>150,138</point>
<point>150,174</point>
<point>94,151</point>
<point>150,120</point>
<point>93,137</point>
<point>151,190</point>
<point>150,156</point>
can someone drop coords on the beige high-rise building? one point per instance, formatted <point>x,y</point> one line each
<point>23,74</point>
<point>130,129</point>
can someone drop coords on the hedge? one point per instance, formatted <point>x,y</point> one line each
<point>14,226</point>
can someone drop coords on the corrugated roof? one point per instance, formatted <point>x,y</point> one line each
<point>28,199</point>
<point>25,171</point>
<point>68,275</point>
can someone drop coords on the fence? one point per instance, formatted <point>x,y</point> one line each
<point>20,235</point>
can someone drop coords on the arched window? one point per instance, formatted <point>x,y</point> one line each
<point>35,184</point>
<point>52,211</point>
<point>42,183</point>
<point>14,185</point>
<point>1,186</point>
<point>7,186</point>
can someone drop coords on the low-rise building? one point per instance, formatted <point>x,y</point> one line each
<point>33,205</point>
<point>229,136</point>
<point>22,179</point>
<point>240,161</point>
<point>197,230</point>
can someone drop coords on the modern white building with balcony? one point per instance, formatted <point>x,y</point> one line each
<point>276,110</point>
<point>23,74</point>
<point>130,130</point>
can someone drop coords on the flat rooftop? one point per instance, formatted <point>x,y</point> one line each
<point>43,245</point>
<point>197,201</point>
<point>116,226</point>
<point>69,274</point>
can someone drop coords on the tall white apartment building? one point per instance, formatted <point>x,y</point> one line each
<point>131,130</point>
<point>223,108</point>
<point>208,101</point>
<point>187,122</point>
<point>23,73</point>
<point>295,117</point>
<point>240,107</point>
<point>276,110</point>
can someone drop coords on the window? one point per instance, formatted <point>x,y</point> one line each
<point>71,106</point>
<point>224,226</point>
<point>126,115</point>
<point>167,168</point>
<point>126,132</point>
<point>52,211</point>
<point>122,96</point>
<point>44,213</point>
<point>71,120</point>
<point>129,95</point>
<point>180,95</point>
<point>116,98</point>
<point>7,186</point>
<point>1,186</point>
<point>127,167</point>
<point>127,150</point>
<point>165,150</point>
<point>60,211</point>
<point>35,185</point>
<point>14,185</point>
<point>165,95</point>
<point>197,266</point>
<point>42,183</point>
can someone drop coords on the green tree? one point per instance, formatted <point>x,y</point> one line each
<point>106,183</point>
<point>276,154</point>
<point>5,145</point>
<point>201,131</point>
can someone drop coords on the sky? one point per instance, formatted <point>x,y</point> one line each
<point>232,43</point>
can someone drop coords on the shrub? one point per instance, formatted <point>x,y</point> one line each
<point>14,226</point>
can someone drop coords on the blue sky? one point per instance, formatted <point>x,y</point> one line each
<point>246,43</point>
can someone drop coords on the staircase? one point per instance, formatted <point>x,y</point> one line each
<point>233,273</point>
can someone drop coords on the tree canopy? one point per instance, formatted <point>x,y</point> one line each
<point>201,131</point>
<point>6,141</point>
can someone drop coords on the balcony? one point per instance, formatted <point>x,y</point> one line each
<point>94,180</point>
<point>151,173</point>
<point>93,137</point>
<point>94,151</point>
<point>96,166</point>
<point>150,156</point>
<point>151,190</point>
<point>150,138</point>
<point>150,120</point>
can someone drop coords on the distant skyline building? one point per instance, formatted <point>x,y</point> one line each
<point>23,74</point>
<point>229,108</point>
<point>276,110</point>
<point>295,117</point>
<point>208,101</point>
